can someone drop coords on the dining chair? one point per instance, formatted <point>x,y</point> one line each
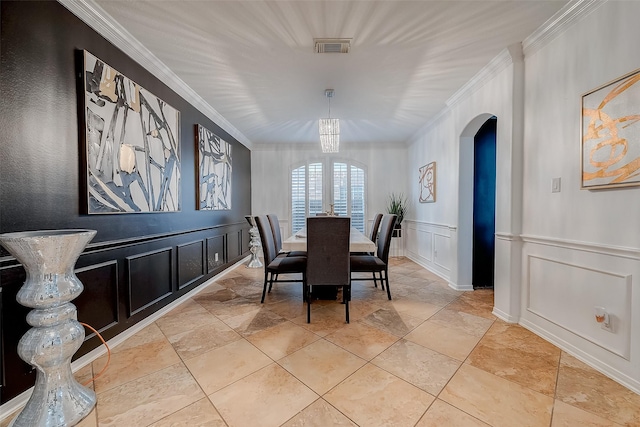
<point>373,233</point>
<point>277,236</point>
<point>274,263</point>
<point>328,257</point>
<point>378,263</point>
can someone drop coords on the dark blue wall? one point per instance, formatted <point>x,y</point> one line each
<point>484,204</point>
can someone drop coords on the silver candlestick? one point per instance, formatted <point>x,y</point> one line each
<point>49,258</point>
<point>254,243</point>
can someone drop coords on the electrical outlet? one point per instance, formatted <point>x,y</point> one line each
<point>603,318</point>
<point>215,257</point>
<point>555,185</point>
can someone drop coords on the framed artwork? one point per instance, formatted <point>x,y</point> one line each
<point>132,144</point>
<point>427,183</point>
<point>214,170</point>
<point>610,134</point>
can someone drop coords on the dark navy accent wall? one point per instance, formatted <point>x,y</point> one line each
<point>484,205</point>
<point>137,263</point>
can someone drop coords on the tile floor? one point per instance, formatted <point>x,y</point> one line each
<point>430,357</point>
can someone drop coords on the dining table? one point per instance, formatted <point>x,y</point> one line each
<point>358,242</point>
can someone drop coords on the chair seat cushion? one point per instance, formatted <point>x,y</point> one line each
<point>287,264</point>
<point>363,263</point>
<point>296,253</point>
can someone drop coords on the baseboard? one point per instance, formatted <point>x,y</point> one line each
<point>504,316</point>
<point>427,267</point>
<point>607,370</point>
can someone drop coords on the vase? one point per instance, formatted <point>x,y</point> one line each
<point>254,243</point>
<point>49,257</point>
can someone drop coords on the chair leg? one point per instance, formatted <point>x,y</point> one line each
<point>308,295</point>
<point>375,281</point>
<point>264,288</point>
<point>381,280</point>
<point>271,279</point>
<point>386,275</point>
<point>346,297</point>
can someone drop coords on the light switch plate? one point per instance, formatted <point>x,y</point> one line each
<point>555,185</point>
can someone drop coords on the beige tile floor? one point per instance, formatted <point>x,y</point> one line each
<point>430,357</point>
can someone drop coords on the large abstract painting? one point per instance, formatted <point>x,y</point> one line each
<point>132,144</point>
<point>214,170</point>
<point>427,183</point>
<point>611,134</point>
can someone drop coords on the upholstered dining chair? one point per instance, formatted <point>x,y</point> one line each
<point>378,263</point>
<point>373,233</point>
<point>328,257</point>
<point>277,236</point>
<point>274,263</point>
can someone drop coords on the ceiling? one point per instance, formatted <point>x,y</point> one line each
<point>254,61</point>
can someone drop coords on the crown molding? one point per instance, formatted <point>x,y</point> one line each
<point>489,71</point>
<point>105,25</point>
<point>558,23</point>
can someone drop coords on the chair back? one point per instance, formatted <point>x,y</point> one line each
<point>266,237</point>
<point>328,251</point>
<point>275,230</point>
<point>384,239</point>
<point>373,233</point>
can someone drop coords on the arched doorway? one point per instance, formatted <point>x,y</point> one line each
<point>465,276</point>
<point>484,206</point>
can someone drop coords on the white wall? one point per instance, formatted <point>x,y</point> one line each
<point>581,248</point>
<point>557,254</point>
<point>270,176</point>
<point>440,233</point>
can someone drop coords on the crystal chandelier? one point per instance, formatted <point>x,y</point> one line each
<point>329,129</point>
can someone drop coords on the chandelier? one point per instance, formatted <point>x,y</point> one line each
<point>329,129</point>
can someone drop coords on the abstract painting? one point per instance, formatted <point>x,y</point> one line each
<point>214,170</point>
<point>427,183</point>
<point>611,134</point>
<point>132,144</point>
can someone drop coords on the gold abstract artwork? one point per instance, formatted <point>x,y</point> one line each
<point>611,134</point>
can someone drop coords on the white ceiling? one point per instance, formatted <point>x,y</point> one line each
<point>254,61</point>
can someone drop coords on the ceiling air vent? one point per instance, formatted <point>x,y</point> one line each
<point>332,45</point>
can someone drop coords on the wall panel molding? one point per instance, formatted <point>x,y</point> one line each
<point>431,224</point>
<point>190,260</point>
<point>429,245</point>
<point>598,248</point>
<point>98,303</point>
<point>216,253</point>
<point>553,282</point>
<point>150,278</point>
<point>442,243</point>
<point>508,237</point>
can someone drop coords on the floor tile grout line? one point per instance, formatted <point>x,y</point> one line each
<point>466,360</point>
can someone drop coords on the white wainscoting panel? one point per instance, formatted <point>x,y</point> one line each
<point>562,282</point>
<point>424,240</point>
<point>442,251</point>
<point>566,294</point>
<point>429,245</point>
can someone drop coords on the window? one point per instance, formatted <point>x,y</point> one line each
<point>346,187</point>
